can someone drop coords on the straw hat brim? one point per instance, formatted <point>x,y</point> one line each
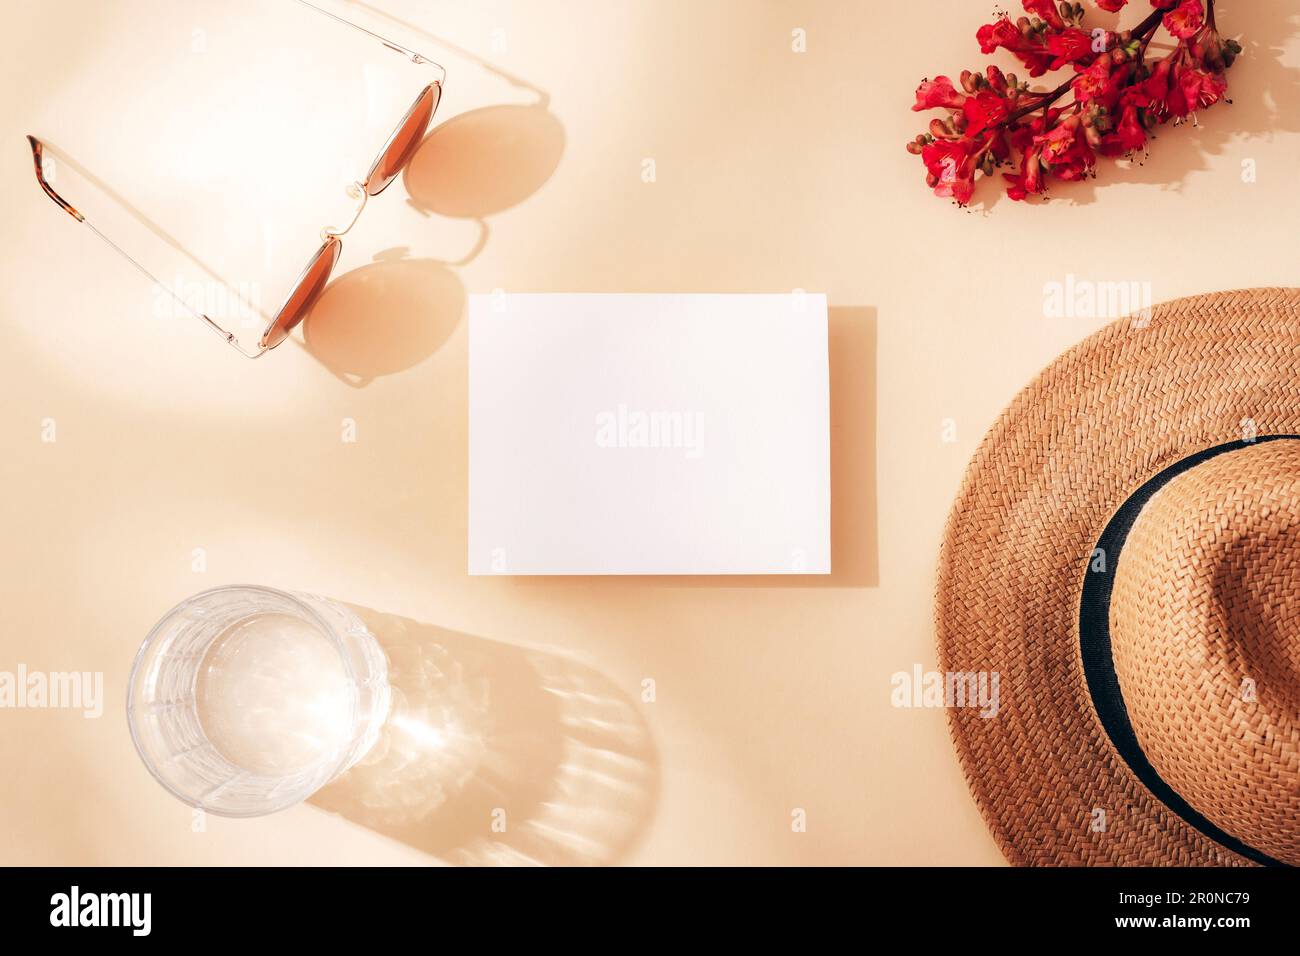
<point>1099,422</point>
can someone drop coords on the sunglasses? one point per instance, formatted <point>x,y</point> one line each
<point>388,165</point>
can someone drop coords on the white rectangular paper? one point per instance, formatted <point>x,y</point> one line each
<point>648,434</point>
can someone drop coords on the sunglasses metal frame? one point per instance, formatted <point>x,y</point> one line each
<point>358,190</point>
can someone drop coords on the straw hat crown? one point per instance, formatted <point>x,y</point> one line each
<point>1205,637</point>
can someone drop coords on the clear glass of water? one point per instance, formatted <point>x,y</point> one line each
<point>246,700</point>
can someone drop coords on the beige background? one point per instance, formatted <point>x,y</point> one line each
<point>774,171</point>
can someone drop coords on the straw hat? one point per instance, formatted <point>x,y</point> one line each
<point>1125,554</point>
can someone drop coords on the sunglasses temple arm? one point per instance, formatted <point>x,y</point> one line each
<point>38,153</point>
<point>417,58</point>
<point>228,336</point>
<point>543,98</point>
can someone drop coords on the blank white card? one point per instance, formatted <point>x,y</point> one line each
<point>648,434</point>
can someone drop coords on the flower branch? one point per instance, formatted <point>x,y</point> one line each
<point>994,120</point>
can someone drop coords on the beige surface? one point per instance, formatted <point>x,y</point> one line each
<point>775,171</point>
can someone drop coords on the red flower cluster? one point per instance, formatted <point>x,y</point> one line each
<point>1119,95</point>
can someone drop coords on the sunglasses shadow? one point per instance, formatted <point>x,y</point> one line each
<point>384,317</point>
<point>495,754</point>
<point>394,313</point>
<point>485,161</point>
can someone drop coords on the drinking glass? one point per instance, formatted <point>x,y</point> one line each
<point>246,700</point>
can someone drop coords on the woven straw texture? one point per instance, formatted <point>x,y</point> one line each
<point>1112,412</point>
<point>1203,625</point>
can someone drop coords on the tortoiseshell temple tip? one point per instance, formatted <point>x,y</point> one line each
<point>38,153</point>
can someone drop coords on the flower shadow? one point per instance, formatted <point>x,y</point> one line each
<point>498,755</point>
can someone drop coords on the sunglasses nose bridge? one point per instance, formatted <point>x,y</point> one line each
<point>356,191</point>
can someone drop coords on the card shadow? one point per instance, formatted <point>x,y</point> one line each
<point>851,334</point>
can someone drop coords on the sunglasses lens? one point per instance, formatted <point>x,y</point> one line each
<point>305,294</point>
<point>405,141</point>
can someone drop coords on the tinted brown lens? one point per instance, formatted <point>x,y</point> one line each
<point>404,142</point>
<point>305,294</point>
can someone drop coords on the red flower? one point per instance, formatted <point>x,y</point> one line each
<point>1116,95</point>
<point>1046,11</point>
<point>983,110</point>
<point>1069,46</point>
<point>1056,143</point>
<point>1175,105</point>
<point>1201,89</point>
<point>1185,21</point>
<point>1128,137</point>
<point>1099,83</point>
<point>937,92</point>
<point>1029,181</point>
<point>996,78</point>
<point>1003,33</point>
<point>1156,89</point>
<point>1065,149</point>
<point>1189,89</point>
<point>950,168</point>
<point>1000,33</point>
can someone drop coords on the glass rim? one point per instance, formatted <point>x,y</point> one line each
<point>292,797</point>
